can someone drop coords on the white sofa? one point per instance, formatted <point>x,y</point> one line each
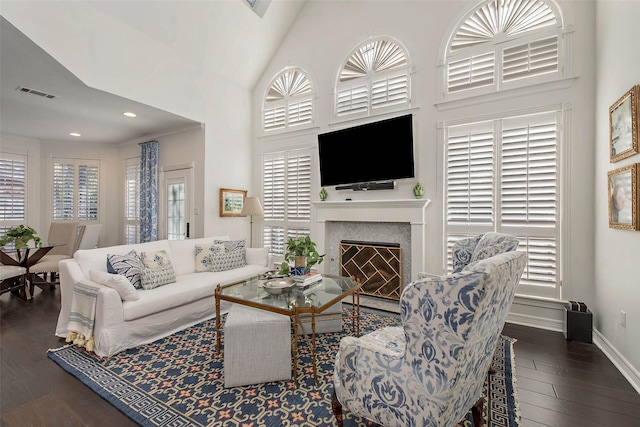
<point>159,312</point>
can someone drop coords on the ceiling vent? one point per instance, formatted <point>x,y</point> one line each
<point>35,92</point>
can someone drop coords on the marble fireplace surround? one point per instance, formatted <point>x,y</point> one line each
<point>409,211</point>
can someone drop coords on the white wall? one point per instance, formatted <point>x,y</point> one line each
<point>617,270</point>
<point>325,33</point>
<point>169,77</point>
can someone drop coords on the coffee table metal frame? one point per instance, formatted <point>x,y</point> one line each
<point>297,305</point>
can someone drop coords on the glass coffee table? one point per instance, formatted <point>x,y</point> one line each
<point>303,306</point>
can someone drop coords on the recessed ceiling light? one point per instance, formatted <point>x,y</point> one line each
<point>130,114</point>
<point>74,134</point>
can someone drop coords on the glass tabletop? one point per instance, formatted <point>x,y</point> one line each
<point>321,294</point>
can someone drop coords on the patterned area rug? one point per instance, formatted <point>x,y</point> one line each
<point>178,381</point>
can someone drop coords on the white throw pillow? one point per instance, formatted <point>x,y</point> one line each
<point>120,283</point>
<point>257,256</point>
<point>205,254</point>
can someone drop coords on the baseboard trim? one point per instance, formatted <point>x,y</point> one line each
<point>535,322</point>
<point>626,369</point>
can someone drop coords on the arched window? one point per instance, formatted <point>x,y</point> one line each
<point>503,44</point>
<point>375,75</point>
<point>289,101</point>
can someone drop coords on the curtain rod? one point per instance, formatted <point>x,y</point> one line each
<point>153,140</point>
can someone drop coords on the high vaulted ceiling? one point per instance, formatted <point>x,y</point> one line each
<point>212,32</point>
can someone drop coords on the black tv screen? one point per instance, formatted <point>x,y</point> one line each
<point>379,151</point>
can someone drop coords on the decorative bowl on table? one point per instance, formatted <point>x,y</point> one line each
<point>273,274</point>
<point>278,286</point>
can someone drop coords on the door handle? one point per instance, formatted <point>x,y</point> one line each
<point>187,234</point>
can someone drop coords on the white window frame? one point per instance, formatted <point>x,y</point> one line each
<point>488,167</point>
<point>364,105</point>
<point>75,196</point>
<point>294,106</point>
<point>497,46</point>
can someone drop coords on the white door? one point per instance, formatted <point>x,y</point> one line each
<point>177,203</point>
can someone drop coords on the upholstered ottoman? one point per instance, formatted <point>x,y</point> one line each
<point>257,346</point>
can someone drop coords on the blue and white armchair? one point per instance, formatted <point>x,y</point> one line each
<point>482,246</point>
<point>430,370</point>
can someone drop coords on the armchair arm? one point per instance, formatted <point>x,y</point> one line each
<point>388,342</point>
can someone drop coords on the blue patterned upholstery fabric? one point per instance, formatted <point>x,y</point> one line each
<point>128,265</point>
<point>480,247</point>
<point>431,370</point>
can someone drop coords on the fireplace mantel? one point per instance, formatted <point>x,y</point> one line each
<point>412,211</point>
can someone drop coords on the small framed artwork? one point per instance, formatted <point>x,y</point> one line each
<point>231,201</point>
<point>623,197</point>
<point>623,125</point>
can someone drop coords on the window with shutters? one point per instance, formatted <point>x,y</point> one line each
<point>501,45</point>
<point>286,192</point>
<point>75,190</point>
<point>376,75</point>
<point>13,191</point>
<point>289,101</point>
<point>502,175</point>
<point>132,201</point>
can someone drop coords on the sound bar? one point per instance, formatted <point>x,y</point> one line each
<point>366,186</point>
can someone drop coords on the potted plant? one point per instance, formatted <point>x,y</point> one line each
<point>20,236</point>
<point>302,251</point>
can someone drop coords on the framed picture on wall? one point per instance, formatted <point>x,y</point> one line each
<point>231,201</point>
<point>623,125</point>
<point>623,197</point>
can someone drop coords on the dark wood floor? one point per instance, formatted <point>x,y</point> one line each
<point>560,383</point>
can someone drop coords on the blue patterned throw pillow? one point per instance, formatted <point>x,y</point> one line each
<point>128,265</point>
<point>204,256</point>
<point>157,270</point>
<point>234,255</point>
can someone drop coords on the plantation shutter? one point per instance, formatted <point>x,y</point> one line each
<point>471,72</point>
<point>132,201</point>
<point>502,175</point>
<point>87,193</point>
<point>300,112</point>
<point>63,191</point>
<point>470,173</point>
<point>353,99</point>
<point>13,189</point>
<point>529,193</point>
<point>286,193</point>
<point>299,188</point>
<point>390,90</point>
<point>274,117</point>
<point>273,178</point>
<point>530,59</point>
<point>75,190</point>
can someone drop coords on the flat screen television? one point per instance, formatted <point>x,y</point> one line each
<point>373,152</point>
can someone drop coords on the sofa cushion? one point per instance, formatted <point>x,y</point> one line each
<point>151,277</point>
<point>183,253</point>
<point>128,265</point>
<point>155,259</point>
<point>96,259</point>
<point>205,256</point>
<point>234,255</point>
<point>120,283</point>
<point>257,256</point>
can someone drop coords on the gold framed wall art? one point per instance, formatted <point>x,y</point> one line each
<point>231,201</point>
<point>623,125</point>
<point>623,197</point>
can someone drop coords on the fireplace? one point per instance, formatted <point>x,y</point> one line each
<point>403,219</point>
<point>378,266</point>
